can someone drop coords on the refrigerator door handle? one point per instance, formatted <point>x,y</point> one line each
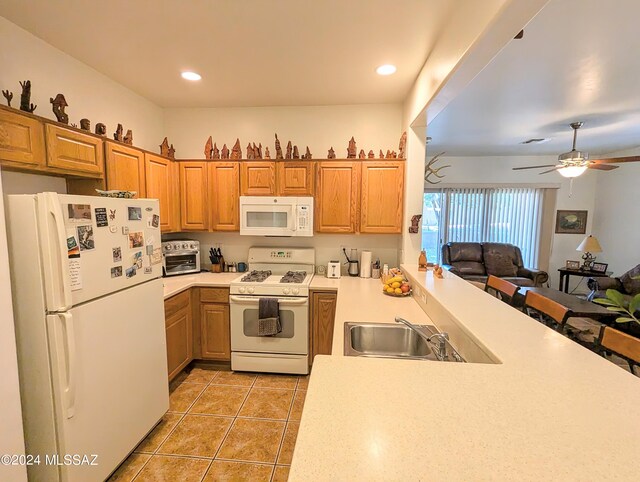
<point>55,260</point>
<point>67,362</point>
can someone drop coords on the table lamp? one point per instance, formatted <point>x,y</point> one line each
<point>589,245</point>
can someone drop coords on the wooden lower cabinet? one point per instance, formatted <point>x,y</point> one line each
<point>322,319</point>
<point>179,331</point>
<point>215,339</point>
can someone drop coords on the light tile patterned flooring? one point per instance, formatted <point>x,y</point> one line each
<point>222,426</point>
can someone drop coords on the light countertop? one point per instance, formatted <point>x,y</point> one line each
<point>175,284</point>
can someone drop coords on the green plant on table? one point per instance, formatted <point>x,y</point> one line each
<point>615,301</point>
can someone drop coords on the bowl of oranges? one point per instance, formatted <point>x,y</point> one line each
<point>396,286</point>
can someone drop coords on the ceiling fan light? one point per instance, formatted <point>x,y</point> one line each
<point>572,171</point>
<point>573,156</point>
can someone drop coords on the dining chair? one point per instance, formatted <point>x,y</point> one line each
<point>501,289</point>
<point>622,344</point>
<point>547,310</point>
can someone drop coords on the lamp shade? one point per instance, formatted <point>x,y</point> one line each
<point>590,244</point>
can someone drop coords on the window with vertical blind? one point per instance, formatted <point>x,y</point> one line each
<point>501,215</point>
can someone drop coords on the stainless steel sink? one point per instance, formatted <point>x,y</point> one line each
<point>387,340</point>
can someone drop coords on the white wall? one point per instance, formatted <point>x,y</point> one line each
<point>319,127</point>
<point>496,170</point>
<point>89,93</point>
<point>11,435</point>
<point>617,211</point>
<point>24,183</point>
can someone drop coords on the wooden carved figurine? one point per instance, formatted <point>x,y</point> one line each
<point>250,153</point>
<point>128,137</point>
<point>267,155</point>
<point>381,155</point>
<point>351,150</point>
<point>172,152</point>
<point>422,261</point>
<point>59,104</point>
<point>415,222</point>
<point>85,124</point>
<point>236,152</point>
<point>371,155</point>
<point>278,149</point>
<point>8,95</point>
<point>25,97</point>
<point>331,154</point>
<point>225,152</point>
<point>117,135</point>
<point>101,130</point>
<point>296,153</point>
<point>402,146</point>
<point>164,147</point>
<point>215,153</point>
<point>257,151</point>
<point>361,154</point>
<point>73,124</point>
<point>288,156</point>
<point>307,154</point>
<point>208,147</point>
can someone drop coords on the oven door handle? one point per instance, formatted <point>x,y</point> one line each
<point>255,300</point>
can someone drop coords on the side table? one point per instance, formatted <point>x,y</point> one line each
<point>566,273</point>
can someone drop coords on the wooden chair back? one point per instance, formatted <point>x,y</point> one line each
<point>501,286</point>
<point>622,344</point>
<point>554,310</point>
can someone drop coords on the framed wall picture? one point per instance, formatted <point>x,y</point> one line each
<point>571,222</point>
<point>599,267</point>
<point>573,264</point>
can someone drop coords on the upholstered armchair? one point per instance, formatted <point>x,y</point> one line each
<point>625,284</point>
<point>476,261</point>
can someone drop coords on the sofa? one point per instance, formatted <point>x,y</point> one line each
<point>625,284</point>
<point>476,261</point>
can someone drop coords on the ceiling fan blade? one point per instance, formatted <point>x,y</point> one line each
<point>614,160</point>
<point>551,170</point>
<point>603,167</point>
<point>533,167</point>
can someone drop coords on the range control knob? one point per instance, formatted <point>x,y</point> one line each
<point>250,289</point>
<point>192,246</point>
<point>242,289</point>
<point>167,247</point>
<point>185,245</point>
<point>286,291</point>
<point>295,291</point>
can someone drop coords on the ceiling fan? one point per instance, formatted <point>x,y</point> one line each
<point>574,163</point>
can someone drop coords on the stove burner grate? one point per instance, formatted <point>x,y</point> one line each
<point>294,277</point>
<point>256,276</point>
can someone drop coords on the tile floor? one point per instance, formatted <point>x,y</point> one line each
<point>222,426</point>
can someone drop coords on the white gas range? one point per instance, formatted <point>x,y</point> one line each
<point>279,273</point>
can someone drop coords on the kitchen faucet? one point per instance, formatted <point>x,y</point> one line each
<point>441,346</point>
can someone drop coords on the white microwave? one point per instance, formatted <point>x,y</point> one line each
<point>276,216</point>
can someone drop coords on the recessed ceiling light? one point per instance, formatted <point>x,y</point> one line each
<point>386,69</point>
<point>190,76</point>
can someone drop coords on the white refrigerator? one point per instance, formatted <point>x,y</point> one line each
<point>88,302</point>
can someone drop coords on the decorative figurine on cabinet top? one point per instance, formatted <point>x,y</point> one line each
<point>164,147</point>
<point>208,147</point>
<point>296,153</point>
<point>289,148</point>
<point>225,152</point>
<point>250,152</point>
<point>128,137</point>
<point>307,154</point>
<point>371,155</point>
<point>172,152</point>
<point>331,154</point>
<point>8,95</point>
<point>215,152</point>
<point>361,154</point>
<point>85,124</point>
<point>236,152</point>
<point>278,149</point>
<point>381,155</point>
<point>257,151</point>
<point>266,153</point>
<point>402,145</point>
<point>58,105</point>
<point>25,97</point>
<point>117,135</point>
<point>351,150</point>
<point>101,130</point>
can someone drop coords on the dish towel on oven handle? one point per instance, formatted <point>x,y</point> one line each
<point>268,317</point>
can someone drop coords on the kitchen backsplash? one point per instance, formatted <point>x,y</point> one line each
<point>328,247</point>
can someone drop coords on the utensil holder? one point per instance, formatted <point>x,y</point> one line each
<point>375,273</point>
<point>216,268</point>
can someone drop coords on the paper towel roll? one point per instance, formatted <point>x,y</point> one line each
<point>365,264</point>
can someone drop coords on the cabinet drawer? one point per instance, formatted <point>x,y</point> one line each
<point>176,303</point>
<point>214,295</point>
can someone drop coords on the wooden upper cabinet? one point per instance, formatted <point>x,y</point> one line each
<point>194,203</point>
<point>258,178</point>
<point>125,168</point>
<point>337,196</point>
<point>224,196</point>
<point>295,178</point>
<point>73,151</point>
<point>382,197</point>
<point>162,184</point>
<point>21,140</point>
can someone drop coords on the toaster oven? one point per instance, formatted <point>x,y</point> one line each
<point>180,257</point>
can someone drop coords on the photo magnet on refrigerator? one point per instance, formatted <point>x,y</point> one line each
<point>117,254</point>
<point>101,217</point>
<point>156,256</point>
<point>149,249</point>
<point>148,270</point>
<point>116,271</point>
<point>112,214</point>
<point>136,240</point>
<point>125,229</point>
<point>131,272</point>
<point>113,229</point>
<point>85,238</point>
<point>79,213</point>
<point>135,213</point>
